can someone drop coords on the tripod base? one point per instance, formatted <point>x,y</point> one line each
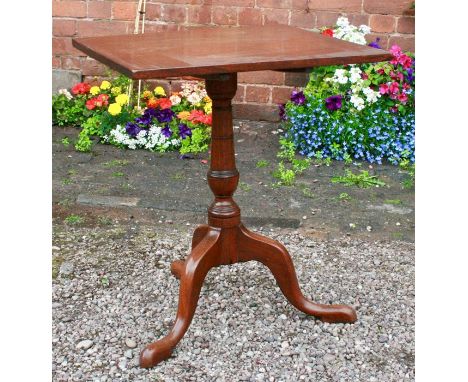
<point>212,247</point>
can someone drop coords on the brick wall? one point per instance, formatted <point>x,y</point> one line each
<point>258,93</point>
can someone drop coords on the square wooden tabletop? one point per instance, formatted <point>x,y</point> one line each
<point>201,51</point>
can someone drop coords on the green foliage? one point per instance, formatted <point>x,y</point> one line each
<point>197,143</point>
<point>116,162</point>
<point>393,201</point>
<point>90,128</point>
<point>65,141</point>
<point>262,163</point>
<point>118,174</point>
<point>74,219</point>
<point>67,112</point>
<point>287,150</point>
<point>362,180</point>
<point>286,177</point>
<point>410,169</point>
<point>300,165</point>
<point>344,196</point>
<point>244,186</point>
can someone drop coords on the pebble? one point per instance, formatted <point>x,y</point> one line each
<point>130,343</point>
<point>243,329</point>
<point>85,344</point>
<point>66,268</point>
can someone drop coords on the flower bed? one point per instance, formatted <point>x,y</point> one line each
<point>355,111</point>
<point>181,121</point>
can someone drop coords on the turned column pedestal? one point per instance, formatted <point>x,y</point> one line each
<point>225,240</point>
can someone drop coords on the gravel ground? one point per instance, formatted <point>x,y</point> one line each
<point>113,293</point>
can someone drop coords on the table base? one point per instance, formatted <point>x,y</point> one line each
<point>212,247</point>
<point>225,240</point>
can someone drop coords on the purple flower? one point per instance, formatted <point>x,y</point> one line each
<point>184,131</point>
<point>164,115</point>
<point>132,129</point>
<point>298,97</point>
<point>282,112</point>
<point>166,131</point>
<point>410,75</point>
<point>145,119</point>
<point>334,102</point>
<point>375,44</point>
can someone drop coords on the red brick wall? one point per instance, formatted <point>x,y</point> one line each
<point>259,93</point>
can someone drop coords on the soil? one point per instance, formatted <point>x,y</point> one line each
<point>116,185</point>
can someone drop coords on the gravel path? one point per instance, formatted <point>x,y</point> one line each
<point>114,293</point>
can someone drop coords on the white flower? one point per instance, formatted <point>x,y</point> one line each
<point>355,74</point>
<point>357,102</point>
<point>364,29</point>
<point>175,99</point>
<point>194,98</point>
<point>371,95</point>
<point>342,22</point>
<point>66,93</point>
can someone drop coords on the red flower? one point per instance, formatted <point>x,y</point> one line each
<point>81,88</point>
<point>164,103</point>
<point>103,99</point>
<point>328,32</point>
<point>364,76</point>
<point>91,104</point>
<point>198,116</point>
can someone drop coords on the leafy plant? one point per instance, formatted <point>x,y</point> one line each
<point>344,196</point>
<point>362,180</point>
<point>286,177</point>
<point>65,141</point>
<point>197,143</point>
<point>262,163</point>
<point>74,219</point>
<point>244,186</point>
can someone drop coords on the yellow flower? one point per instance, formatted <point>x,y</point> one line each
<point>208,108</point>
<point>105,85</point>
<point>94,90</point>
<point>114,109</point>
<point>121,99</point>
<point>183,115</point>
<point>207,99</point>
<point>116,90</point>
<point>147,94</point>
<point>159,91</point>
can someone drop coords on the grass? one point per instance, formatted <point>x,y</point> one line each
<point>74,219</point>
<point>361,180</point>
<point>116,162</point>
<point>118,174</point>
<point>178,176</point>
<point>344,196</point>
<point>262,163</point>
<point>244,186</point>
<point>66,181</point>
<point>104,220</point>
<point>306,191</point>
<point>393,201</point>
<point>65,141</point>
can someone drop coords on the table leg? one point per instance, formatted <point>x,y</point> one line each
<point>225,240</point>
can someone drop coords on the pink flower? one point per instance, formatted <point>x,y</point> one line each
<point>383,89</point>
<point>403,98</point>
<point>394,88</point>
<point>395,50</point>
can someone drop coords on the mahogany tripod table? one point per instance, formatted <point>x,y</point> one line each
<point>217,54</point>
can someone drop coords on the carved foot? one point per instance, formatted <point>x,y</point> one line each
<point>275,256</point>
<point>177,268</point>
<point>192,273</point>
